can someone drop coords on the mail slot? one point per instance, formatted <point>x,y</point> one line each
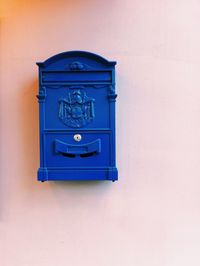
<point>84,76</point>
<point>77,117</point>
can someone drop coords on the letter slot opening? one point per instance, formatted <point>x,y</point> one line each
<point>89,154</point>
<point>69,155</point>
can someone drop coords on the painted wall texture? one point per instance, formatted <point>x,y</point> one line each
<point>151,216</point>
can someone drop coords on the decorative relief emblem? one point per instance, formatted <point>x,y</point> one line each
<point>77,66</point>
<point>77,110</point>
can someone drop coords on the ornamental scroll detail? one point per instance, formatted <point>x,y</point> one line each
<point>78,66</point>
<point>77,109</point>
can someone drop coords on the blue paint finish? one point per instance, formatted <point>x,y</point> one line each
<point>77,96</point>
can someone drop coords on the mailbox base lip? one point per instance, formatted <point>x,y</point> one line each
<point>107,173</point>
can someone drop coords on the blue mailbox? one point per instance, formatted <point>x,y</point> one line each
<point>77,117</point>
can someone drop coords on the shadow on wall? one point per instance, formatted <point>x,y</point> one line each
<point>30,131</point>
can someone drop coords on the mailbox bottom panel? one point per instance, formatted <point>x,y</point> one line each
<point>94,149</point>
<point>46,174</point>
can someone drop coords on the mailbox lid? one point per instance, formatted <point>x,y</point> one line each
<point>76,72</point>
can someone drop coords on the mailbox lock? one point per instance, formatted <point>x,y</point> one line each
<point>77,137</point>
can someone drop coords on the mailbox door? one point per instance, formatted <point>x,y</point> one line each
<point>63,151</point>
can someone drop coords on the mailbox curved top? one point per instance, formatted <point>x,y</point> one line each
<point>76,54</point>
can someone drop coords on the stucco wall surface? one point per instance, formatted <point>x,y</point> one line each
<point>151,216</point>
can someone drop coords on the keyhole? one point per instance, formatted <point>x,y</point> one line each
<point>77,137</point>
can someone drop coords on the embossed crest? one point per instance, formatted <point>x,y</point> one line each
<point>77,110</point>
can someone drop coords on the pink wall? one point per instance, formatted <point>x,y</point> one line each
<point>152,215</point>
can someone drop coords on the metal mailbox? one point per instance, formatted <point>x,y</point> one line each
<point>77,117</point>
